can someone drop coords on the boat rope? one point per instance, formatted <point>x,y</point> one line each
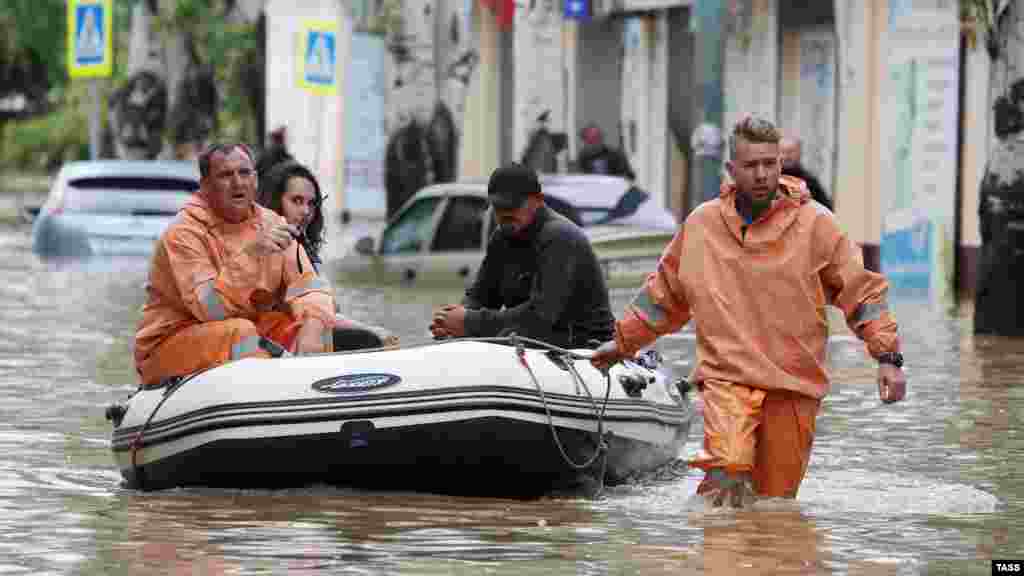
<point>601,444</point>
<point>170,388</point>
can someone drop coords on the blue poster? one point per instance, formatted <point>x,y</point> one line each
<point>365,140</point>
<point>907,258</point>
<point>577,9</point>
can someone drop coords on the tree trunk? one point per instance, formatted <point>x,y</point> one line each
<point>999,308</point>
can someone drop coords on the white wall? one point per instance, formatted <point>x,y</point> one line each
<point>751,63</point>
<point>977,126</point>
<point>539,73</point>
<point>315,123</point>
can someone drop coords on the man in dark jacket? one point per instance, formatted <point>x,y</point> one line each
<point>539,278</point>
<point>791,150</point>
<point>596,157</point>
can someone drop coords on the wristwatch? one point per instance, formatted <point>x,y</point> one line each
<point>894,358</point>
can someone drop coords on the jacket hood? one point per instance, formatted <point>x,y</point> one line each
<point>198,209</point>
<point>770,225</point>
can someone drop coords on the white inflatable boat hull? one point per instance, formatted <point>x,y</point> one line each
<point>458,417</point>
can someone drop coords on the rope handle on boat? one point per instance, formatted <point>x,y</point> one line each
<point>171,388</point>
<point>601,449</point>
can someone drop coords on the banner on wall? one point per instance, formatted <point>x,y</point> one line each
<point>919,148</point>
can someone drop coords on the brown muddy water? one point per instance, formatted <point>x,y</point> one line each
<point>929,486</point>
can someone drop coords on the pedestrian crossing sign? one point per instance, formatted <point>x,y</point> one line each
<point>90,48</point>
<point>318,57</point>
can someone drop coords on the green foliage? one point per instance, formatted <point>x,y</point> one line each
<point>36,27</point>
<point>43,143</point>
<point>223,45</point>
<point>976,19</point>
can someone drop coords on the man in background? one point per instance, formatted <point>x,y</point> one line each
<point>596,157</point>
<point>791,149</point>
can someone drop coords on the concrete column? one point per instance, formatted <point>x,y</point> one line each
<point>570,56</point>
<point>539,85</point>
<point>657,110</point>
<point>974,155</point>
<point>709,16</point>
<point>856,183</point>
<point>480,150</point>
<point>751,62</point>
<point>636,96</point>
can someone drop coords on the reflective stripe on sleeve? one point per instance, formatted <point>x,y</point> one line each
<point>314,283</point>
<point>869,311</point>
<point>212,301</point>
<point>246,347</point>
<point>642,301</point>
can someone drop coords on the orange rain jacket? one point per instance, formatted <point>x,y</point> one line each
<point>199,274</point>
<point>758,293</point>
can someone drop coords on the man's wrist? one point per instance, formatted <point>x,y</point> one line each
<point>891,358</point>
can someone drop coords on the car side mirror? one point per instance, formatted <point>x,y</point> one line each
<point>365,245</point>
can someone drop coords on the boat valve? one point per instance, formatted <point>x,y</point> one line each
<point>115,413</point>
<point>633,384</point>
<point>683,386</point>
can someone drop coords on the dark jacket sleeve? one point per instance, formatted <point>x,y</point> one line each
<point>624,168</point>
<point>549,295</point>
<point>485,290</point>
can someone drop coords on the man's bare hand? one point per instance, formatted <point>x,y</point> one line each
<point>273,239</point>
<point>892,383</point>
<point>606,355</point>
<point>449,322</point>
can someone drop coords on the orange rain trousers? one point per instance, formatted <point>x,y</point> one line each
<point>767,433</point>
<point>209,344</point>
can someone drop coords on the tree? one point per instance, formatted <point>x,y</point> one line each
<point>31,59</point>
<point>183,75</point>
<point>1001,198</point>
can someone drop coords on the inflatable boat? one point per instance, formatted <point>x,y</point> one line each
<point>502,416</point>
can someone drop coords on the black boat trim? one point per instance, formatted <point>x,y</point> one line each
<point>122,440</point>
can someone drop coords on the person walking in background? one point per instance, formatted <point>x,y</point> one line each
<point>755,268</point>
<point>596,157</point>
<point>275,152</point>
<point>791,149</point>
<point>291,190</point>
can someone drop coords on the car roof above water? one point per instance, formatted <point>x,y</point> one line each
<point>178,169</point>
<point>605,186</point>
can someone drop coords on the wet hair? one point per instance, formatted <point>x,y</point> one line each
<point>271,191</point>
<point>220,147</point>
<point>755,130</point>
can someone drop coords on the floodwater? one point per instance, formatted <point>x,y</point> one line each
<point>928,486</point>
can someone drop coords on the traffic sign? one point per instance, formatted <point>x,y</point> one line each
<point>90,47</point>
<point>318,57</point>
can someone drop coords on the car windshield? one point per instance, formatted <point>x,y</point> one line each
<point>412,229</point>
<point>149,196</point>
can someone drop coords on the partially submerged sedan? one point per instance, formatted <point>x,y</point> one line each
<point>440,234</point>
<point>111,207</point>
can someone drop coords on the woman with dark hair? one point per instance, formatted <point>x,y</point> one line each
<point>291,190</point>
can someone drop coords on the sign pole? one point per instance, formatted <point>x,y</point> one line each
<point>90,54</point>
<point>94,120</point>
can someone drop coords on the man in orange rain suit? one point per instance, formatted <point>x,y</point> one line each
<point>755,267</point>
<point>228,280</point>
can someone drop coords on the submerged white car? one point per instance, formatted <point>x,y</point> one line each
<point>111,207</point>
<point>439,235</point>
